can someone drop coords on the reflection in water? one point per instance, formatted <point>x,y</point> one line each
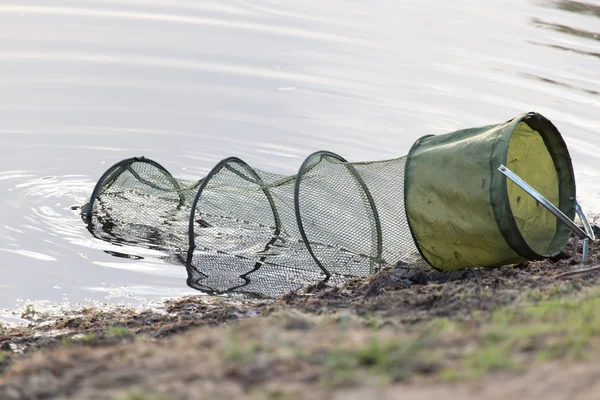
<point>217,274</point>
<point>559,47</point>
<point>581,8</point>
<point>123,255</point>
<point>212,272</point>
<point>554,82</point>
<point>577,7</point>
<point>566,29</point>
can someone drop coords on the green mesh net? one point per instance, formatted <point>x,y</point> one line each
<point>240,220</point>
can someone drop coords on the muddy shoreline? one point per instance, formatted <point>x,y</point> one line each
<point>399,327</point>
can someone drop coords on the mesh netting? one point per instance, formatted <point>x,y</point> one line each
<point>246,230</point>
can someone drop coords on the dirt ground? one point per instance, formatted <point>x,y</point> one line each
<point>491,333</point>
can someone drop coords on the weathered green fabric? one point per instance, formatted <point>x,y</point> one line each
<point>463,212</point>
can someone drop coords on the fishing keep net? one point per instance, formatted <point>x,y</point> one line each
<point>444,205</point>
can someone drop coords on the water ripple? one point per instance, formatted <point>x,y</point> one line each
<point>166,62</point>
<point>183,19</point>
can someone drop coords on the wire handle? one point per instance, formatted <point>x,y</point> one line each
<point>586,236</point>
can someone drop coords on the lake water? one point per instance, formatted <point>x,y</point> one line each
<point>84,84</point>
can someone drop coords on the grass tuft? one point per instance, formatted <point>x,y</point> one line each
<point>388,360</point>
<point>28,312</point>
<point>118,331</point>
<point>134,394</point>
<point>238,351</point>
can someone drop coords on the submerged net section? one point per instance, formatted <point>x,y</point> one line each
<point>138,202</point>
<point>246,230</point>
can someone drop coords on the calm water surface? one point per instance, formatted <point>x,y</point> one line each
<point>84,84</point>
